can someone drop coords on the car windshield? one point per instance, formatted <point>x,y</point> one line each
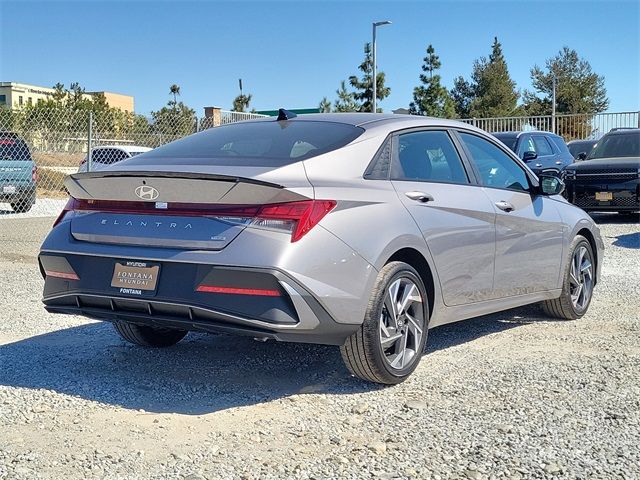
<point>580,147</point>
<point>11,149</point>
<point>263,143</point>
<point>509,140</point>
<point>617,145</point>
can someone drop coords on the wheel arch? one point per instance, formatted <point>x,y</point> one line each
<point>586,233</point>
<point>414,258</point>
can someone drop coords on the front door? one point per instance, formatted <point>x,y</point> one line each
<point>529,230</point>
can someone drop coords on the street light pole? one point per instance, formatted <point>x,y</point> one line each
<point>374,69</point>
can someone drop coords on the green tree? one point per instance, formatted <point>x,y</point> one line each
<point>462,95</point>
<point>364,84</point>
<point>241,102</point>
<point>431,98</point>
<point>325,105</point>
<point>175,120</point>
<point>578,88</point>
<point>495,93</point>
<point>345,101</point>
<point>491,91</point>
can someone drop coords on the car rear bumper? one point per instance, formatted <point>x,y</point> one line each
<point>294,314</point>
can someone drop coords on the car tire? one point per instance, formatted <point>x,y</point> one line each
<point>23,205</point>
<point>388,346</point>
<point>577,284</point>
<point>149,336</point>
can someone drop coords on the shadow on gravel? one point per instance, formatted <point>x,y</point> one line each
<point>630,240</point>
<point>203,373</point>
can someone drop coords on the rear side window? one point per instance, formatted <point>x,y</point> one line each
<point>560,144</point>
<point>14,149</point>
<point>263,143</point>
<point>428,156</point>
<point>542,146</point>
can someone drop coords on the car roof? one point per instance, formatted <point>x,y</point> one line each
<point>623,131</point>
<point>587,140</point>
<point>368,121</point>
<point>517,133</point>
<point>124,148</point>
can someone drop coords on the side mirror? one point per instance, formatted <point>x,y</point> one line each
<point>528,156</point>
<point>550,184</point>
<point>582,156</point>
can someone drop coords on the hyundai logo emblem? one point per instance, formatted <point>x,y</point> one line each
<point>146,192</point>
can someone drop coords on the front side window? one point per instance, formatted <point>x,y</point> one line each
<point>527,145</point>
<point>428,156</point>
<point>542,146</point>
<point>496,168</point>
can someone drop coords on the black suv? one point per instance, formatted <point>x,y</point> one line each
<point>542,151</point>
<point>609,179</point>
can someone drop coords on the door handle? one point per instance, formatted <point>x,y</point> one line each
<point>558,163</point>
<point>506,206</point>
<point>419,197</point>
<point>538,164</point>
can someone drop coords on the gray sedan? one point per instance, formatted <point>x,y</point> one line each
<point>357,230</point>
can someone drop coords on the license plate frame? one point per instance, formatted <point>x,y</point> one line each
<point>604,196</point>
<point>135,278</point>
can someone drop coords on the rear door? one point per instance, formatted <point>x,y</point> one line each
<point>547,156</point>
<point>455,217</point>
<point>529,230</point>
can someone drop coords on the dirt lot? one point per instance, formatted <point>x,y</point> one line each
<point>512,395</point>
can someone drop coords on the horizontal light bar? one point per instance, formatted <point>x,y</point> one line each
<point>238,291</point>
<point>67,276</point>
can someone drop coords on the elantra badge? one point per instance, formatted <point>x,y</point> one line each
<point>146,192</point>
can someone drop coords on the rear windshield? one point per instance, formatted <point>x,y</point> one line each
<point>509,140</point>
<point>264,143</point>
<point>580,147</point>
<point>617,145</point>
<point>11,149</point>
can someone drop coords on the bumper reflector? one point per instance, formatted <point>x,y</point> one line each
<point>238,291</point>
<point>67,276</point>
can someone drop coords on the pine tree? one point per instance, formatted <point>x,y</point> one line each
<point>364,85</point>
<point>431,98</point>
<point>578,88</point>
<point>495,93</point>
<point>346,101</point>
<point>491,91</point>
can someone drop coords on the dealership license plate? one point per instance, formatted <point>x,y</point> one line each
<point>135,278</point>
<point>604,196</point>
<point>9,189</point>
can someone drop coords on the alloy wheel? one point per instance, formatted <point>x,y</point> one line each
<point>581,278</point>
<point>402,323</point>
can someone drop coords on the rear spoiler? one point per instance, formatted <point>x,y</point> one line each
<point>175,187</point>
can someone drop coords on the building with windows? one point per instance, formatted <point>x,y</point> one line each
<point>17,95</point>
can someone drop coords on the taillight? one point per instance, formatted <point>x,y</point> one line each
<point>295,218</point>
<point>34,173</point>
<point>69,207</point>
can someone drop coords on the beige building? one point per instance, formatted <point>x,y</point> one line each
<point>17,95</point>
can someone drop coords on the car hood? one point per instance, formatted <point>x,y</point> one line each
<point>606,163</point>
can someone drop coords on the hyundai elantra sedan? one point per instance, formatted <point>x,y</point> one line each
<point>357,230</point>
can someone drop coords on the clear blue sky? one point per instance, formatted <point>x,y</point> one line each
<point>291,54</point>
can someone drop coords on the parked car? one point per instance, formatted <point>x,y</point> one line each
<point>358,230</point>
<point>579,149</point>
<point>609,179</point>
<point>541,151</point>
<point>103,156</point>
<point>18,173</point>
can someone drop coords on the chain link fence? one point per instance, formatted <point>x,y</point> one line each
<point>40,147</point>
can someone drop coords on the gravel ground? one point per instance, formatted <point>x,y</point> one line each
<point>512,395</point>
